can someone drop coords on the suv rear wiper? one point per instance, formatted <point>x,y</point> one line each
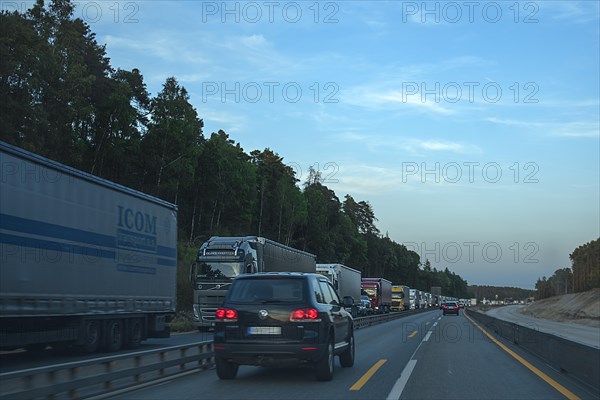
<point>273,301</point>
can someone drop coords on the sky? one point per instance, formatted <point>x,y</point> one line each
<point>471,127</point>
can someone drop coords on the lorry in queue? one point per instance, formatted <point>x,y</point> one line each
<point>416,301</point>
<point>423,299</point>
<point>346,281</point>
<point>400,298</point>
<point>86,263</point>
<point>221,259</point>
<point>429,300</point>
<point>379,291</point>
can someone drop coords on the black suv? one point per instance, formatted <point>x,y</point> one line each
<point>271,319</point>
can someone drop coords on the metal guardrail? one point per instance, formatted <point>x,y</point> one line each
<point>363,322</point>
<point>578,360</point>
<point>99,376</point>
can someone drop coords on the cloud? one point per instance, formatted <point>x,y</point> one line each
<point>164,45</point>
<point>254,41</point>
<point>371,97</point>
<point>443,146</point>
<point>215,120</point>
<point>577,129</point>
<point>579,12</point>
<point>414,101</point>
<point>365,179</point>
<point>410,145</point>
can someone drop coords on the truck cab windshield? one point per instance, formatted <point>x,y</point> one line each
<point>219,270</point>
<point>370,291</point>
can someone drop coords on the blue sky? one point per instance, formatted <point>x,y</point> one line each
<point>471,127</point>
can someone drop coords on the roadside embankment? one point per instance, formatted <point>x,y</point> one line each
<point>581,308</point>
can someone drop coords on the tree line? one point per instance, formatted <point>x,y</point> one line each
<point>62,99</point>
<point>583,275</point>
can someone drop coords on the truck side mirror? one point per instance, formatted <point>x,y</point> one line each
<point>348,301</point>
<point>193,268</point>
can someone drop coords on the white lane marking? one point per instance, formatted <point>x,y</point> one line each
<point>396,391</point>
<point>426,338</point>
<point>434,325</point>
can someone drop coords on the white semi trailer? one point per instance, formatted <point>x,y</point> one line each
<point>84,262</point>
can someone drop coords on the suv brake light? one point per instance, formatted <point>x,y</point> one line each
<point>305,314</point>
<point>226,314</point>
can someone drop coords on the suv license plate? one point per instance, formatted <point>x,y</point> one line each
<point>264,330</point>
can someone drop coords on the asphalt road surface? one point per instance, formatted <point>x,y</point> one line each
<point>423,356</point>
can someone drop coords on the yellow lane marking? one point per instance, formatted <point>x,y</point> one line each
<point>567,393</point>
<point>412,334</point>
<point>363,379</point>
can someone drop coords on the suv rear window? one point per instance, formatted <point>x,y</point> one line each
<point>280,290</point>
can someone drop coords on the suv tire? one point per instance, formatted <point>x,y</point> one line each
<point>225,369</point>
<point>324,367</point>
<point>347,357</point>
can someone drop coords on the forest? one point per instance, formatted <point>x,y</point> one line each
<point>583,275</point>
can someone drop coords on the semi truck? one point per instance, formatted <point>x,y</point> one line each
<point>346,281</point>
<point>400,301</point>
<point>379,291</point>
<point>436,292</point>
<point>221,259</point>
<point>85,263</point>
<point>415,299</point>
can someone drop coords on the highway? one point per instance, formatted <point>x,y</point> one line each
<point>421,356</point>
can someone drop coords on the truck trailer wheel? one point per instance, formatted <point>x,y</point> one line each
<point>134,337</point>
<point>113,339</point>
<point>91,336</point>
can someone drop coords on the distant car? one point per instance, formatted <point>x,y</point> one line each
<point>272,319</point>
<point>365,306</point>
<point>461,304</point>
<point>450,307</point>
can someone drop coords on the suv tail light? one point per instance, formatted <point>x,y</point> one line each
<point>226,314</point>
<point>305,314</point>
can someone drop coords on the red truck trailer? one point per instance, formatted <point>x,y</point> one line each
<point>379,291</point>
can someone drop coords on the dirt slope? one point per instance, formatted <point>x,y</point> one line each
<point>582,308</point>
